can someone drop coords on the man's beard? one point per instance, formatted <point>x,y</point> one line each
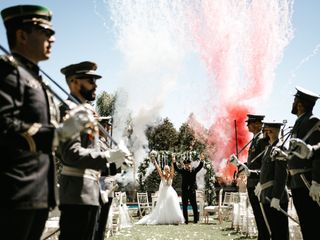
<point>89,95</point>
<point>294,109</point>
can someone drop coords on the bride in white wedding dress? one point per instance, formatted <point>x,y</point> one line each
<point>167,209</point>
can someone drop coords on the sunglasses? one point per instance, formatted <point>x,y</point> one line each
<point>267,131</point>
<point>47,31</point>
<point>88,79</point>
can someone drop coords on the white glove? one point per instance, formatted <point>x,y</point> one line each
<point>314,191</point>
<point>128,163</point>
<point>257,190</point>
<point>299,148</point>
<point>241,167</point>
<point>153,154</point>
<point>278,154</point>
<point>104,196</point>
<point>120,156</point>
<point>77,120</point>
<point>275,203</point>
<point>234,160</point>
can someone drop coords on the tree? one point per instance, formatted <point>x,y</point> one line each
<point>187,140</point>
<point>162,137</point>
<point>106,104</point>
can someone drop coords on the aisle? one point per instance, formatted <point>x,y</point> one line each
<point>200,231</point>
<point>212,231</point>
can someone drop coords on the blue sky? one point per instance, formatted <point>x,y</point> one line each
<point>84,32</point>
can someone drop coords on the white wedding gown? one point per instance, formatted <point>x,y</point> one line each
<point>167,209</point>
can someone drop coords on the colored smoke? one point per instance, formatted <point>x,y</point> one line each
<point>240,43</point>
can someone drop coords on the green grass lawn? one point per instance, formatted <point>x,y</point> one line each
<point>199,231</point>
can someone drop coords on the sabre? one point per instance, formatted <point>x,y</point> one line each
<point>254,159</point>
<point>245,146</point>
<point>236,135</point>
<point>258,156</point>
<point>265,218</point>
<point>101,128</point>
<point>305,181</point>
<point>316,127</point>
<point>285,213</point>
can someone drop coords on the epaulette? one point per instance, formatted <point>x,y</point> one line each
<point>314,117</point>
<point>7,65</point>
<point>8,59</point>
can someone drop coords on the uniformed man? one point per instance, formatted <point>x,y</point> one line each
<point>305,171</point>
<point>107,185</point>
<point>28,125</point>
<point>256,150</point>
<point>83,159</point>
<point>272,191</point>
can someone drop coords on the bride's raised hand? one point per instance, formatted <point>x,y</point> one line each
<point>173,156</point>
<point>202,156</point>
<point>152,156</point>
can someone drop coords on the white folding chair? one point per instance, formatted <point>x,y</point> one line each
<point>200,198</point>
<point>220,209</point>
<point>154,197</point>
<point>113,224</point>
<point>143,203</point>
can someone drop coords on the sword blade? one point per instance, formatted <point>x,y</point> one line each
<point>265,218</point>
<point>305,181</point>
<point>285,213</point>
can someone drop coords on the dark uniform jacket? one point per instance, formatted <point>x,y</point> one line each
<point>257,146</point>
<point>273,176</point>
<point>188,177</point>
<point>311,166</point>
<point>27,169</point>
<point>80,185</point>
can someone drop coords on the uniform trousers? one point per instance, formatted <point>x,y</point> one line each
<point>22,224</point>
<point>102,219</point>
<point>263,233</point>
<point>77,222</point>
<point>307,210</point>
<point>277,221</point>
<point>186,196</point>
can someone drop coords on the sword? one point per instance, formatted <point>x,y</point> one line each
<point>305,181</point>
<point>285,213</point>
<point>316,127</point>
<point>265,218</point>
<point>259,155</point>
<point>101,128</point>
<point>236,136</point>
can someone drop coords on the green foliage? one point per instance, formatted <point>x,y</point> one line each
<point>165,139</point>
<point>187,140</point>
<point>162,137</point>
<point>209,180</point>
<point>185,137</point>
<point>152,181</point>
<point>106,104</point>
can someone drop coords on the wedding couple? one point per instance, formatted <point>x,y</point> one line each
<point>167,209</point>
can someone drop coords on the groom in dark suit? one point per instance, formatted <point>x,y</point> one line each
<point>189,186</point>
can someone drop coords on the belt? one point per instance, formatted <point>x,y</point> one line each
<point>266,185</point>
<point>299,170</point>
<point>77,172</point>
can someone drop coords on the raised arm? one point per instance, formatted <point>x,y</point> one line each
<point>175,167</point>
<point>172,165</point>
<point>201,157</point>
<point>157,166</point>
